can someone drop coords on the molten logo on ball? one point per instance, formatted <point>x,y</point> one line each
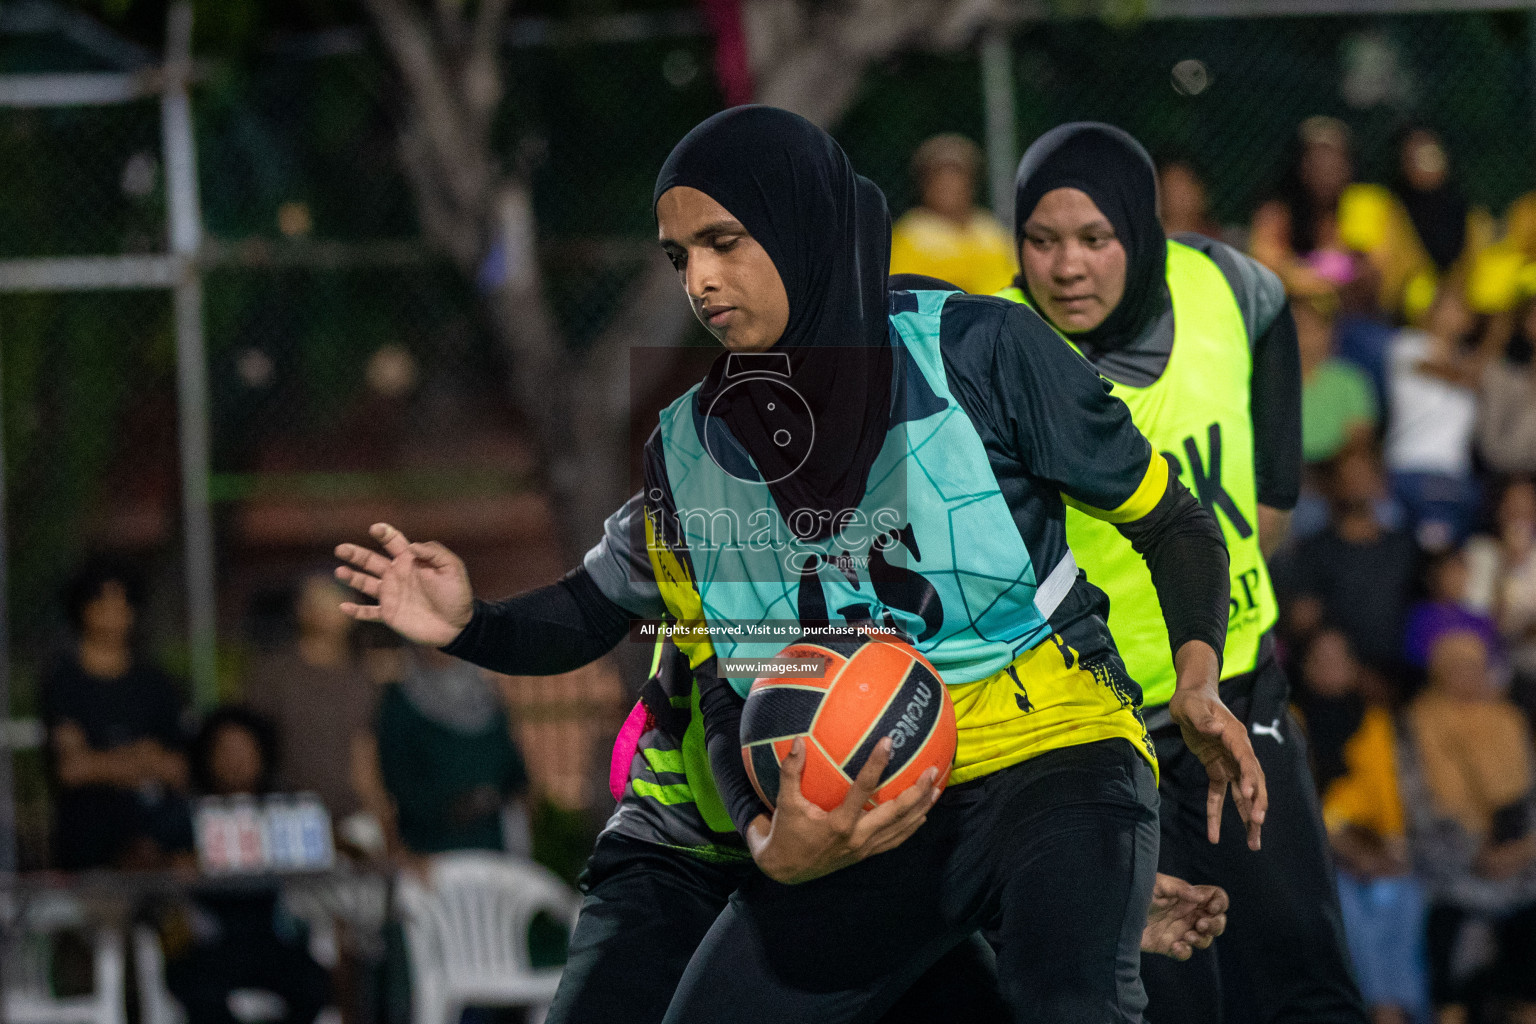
<point>871,688</point>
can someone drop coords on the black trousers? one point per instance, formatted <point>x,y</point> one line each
<point>1055,856</point>
<point>1511,975</point>
<point>203,979</point>
<point>1282,957</point>
<point>648,907</point>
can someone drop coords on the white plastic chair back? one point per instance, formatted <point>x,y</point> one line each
<point>468,933</point>
<point>27,996</point>
<point>156,1004</point>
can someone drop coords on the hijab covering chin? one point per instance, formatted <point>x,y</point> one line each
<point>828,232</point>
<point>1117,174</point>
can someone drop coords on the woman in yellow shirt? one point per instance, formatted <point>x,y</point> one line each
<point>948,236</point>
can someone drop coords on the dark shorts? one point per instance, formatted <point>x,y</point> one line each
<point>1053,857</point>
<point>1282,957</point>
<point>647,908</point>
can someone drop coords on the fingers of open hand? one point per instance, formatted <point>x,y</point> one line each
<point>393,541</point>
<point>894,837</point>
<point>869,776</point>
<point>366,559</point>
<point>893,822</point>
<point>433,554</point>
<point>1249,791</point>
<point>362,612</point>
<point>1213,900</point>
<point>1214,798</point>
<point>790,770</point>
<point>359,581</point>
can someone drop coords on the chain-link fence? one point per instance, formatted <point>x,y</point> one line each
<point>1228,95</point>
<point>351,373</point>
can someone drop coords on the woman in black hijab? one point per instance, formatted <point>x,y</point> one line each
<point>827,232</point>
<point>1197,340</point>
<point>1434,203</point>
<point>782,251</point>
<point>757,178</point>
<point>1115,172</point>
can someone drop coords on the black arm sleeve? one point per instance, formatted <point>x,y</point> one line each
<point>1187,557</point>
<point>544,632</point>
<point>1275,404</point>
<point>721,709</point>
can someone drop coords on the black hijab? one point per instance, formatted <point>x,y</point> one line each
<point>1118,175</point>
<point>1439,214</point>
<point>828,232</point>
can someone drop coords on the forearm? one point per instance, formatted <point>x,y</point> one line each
<point>1275,409</point>
<point>1274,527</point>
<point>1197,664</point>
<point>125,767</point>
<point>1187,558</point>
<point>546,631</point>
<point>721,711</point>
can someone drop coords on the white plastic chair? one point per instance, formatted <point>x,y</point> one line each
<point>467,934</point>
<point>27,996</point>
<point>156,1004</point>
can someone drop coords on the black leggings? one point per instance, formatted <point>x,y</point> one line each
<point>646,910</point>
<point>1282,957</point>
<point>1055,856</point>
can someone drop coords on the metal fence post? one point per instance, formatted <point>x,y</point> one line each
<point>186,230</point>
<point>7,761</point>
<point>1002,126</point>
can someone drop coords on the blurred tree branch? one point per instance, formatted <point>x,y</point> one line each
<point>447,55</point>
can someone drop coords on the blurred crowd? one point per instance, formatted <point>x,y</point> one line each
<point>409,751</point>
<point>1408,583</point>
<point>1408,594</point>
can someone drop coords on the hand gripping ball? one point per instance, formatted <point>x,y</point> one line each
<point>870,687</point>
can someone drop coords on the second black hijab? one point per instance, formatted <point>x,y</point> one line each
<point>828,232</point>
<point>1117,174</point>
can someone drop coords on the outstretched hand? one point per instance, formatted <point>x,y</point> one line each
<point>1183,918</point>
<point>422,589</point>
<point>1219,740</point>
<point>802,841</point>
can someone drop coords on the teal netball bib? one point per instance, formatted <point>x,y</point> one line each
<point>932,549</point>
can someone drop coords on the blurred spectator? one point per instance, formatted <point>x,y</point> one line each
<point>948,236</point>
<point>1362,334</point>
<point>1338,406</point>
<point>1181,200</point>
<point>1520,226</point>
<point>445,748</point>
<point>1431,415</point>
<point>1356,574</point>
<point>1436,207</point>
<point>1506,418</point>
<point>239,939</point>
<point>1302,216</point>
<point>1502,580</point>
<point>1319,215</point>
<point>1448,609</point>
<point>319,699</point>
<point>1354,756</point>
<point>1468,780</point>
<point>115,739</point>
<point>1445,227</point>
